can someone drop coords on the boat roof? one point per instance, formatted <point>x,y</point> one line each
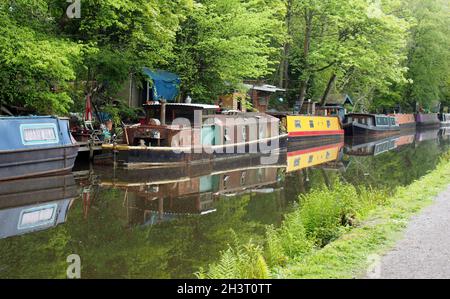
<point>369,114</point>
<point>28,117</point>
<point>201,106</point>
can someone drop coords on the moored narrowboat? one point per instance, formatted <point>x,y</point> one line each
<point>370,125</point>
<point>445,120</point>
<point>428,120</point>
<point>175,133</point>
<point>307,129</point>
<point>35,146</point>
<point>405,121</point>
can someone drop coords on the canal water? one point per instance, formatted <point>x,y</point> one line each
<point>168,223</point>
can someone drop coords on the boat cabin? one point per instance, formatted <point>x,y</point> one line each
<point>338,111</point>
<point>372,120</point>
<point>185,125</point>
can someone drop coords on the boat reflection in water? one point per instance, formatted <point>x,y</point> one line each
<point>153,202</point>
<point>375,147</point>
<point>156,197</point>
<point>426,135</point>
<point>315,156</point>
<point>35,204</point>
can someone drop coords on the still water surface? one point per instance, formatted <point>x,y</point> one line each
<point>168,223</point>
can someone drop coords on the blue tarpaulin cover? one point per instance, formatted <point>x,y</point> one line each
<point>165,85</point>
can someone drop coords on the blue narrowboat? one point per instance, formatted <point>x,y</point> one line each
<point>370,125</point>
<point>35,146</point>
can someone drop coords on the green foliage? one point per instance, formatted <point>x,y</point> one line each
<point>240,262</point>
<point>383,53</point>
<point>290,241</point>
<point>35,68</point>
<point>222,43</point>
<point>429,55</point>
<point>325,213</point>
<point>361,42</point>
<point>322,217</point>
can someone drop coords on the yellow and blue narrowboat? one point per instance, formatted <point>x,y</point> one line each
<point>307,129</point>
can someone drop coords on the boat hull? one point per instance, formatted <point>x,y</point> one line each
<point>296,143</point>
<point>356,129</point>
<point>37,162</point>
<point>147,157</point>
<point>428,120</point>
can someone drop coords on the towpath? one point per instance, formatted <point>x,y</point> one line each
<point>424,252</point>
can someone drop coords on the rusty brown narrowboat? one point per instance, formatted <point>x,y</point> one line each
<point>405,121</point>
<point>176,133</point>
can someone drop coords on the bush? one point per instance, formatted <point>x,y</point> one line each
<point>241,262</point>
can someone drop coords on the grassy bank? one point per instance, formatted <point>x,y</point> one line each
<point>333,233</point>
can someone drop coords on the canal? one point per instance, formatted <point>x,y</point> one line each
<point>168,223</point>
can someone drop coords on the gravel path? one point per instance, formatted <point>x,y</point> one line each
<point>425,250</point>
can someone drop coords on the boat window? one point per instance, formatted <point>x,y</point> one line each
<point>382,121</point>
<point>311,159</point>
<point>393,122</point>
<point>297,162</point>
<point>39,216</point>
<point>328,124</point>
<point>38,134</point>
<point>349,120</point>
<point>311,124</point>
<point>298,124</point>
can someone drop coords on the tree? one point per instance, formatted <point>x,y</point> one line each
<point>35,68</point>
<point>221,43</point>
<point>428,53</point>
<point>351,43</point>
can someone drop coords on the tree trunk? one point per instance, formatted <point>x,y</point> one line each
<point>306,47</point>
<point>284,69</point>
<point>327,90</point>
